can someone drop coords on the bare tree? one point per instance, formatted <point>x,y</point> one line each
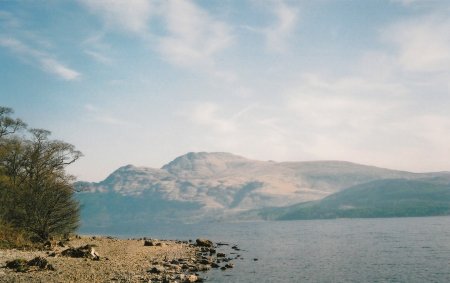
<point>46,206</point>
<point>8,149</point>
<point>9,125</point>
<point>37,193</point>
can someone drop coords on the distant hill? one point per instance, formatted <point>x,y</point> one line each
<point>204,186</point>
<point>381,198</point>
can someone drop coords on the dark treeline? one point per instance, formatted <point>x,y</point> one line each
<point>36,194</point>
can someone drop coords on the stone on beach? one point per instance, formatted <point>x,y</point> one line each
<point>204,243</point>
<point>86,251</point>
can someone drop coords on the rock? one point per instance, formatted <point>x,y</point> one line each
<point>223,268</point>
<point>82,252</point>
<point>204,243</point>
<point>212,251</point>
<point>214,265</point>
<point>191,278</point>
<point>203,267</point>
<point>229,265</point>
<point>205,261</point>
<point>193,268</point>
<point>176,268</point>
<point>41,263</point>
<point>156,270</point>
<point>48,245</point>
<point>148,243</point>
<point>221,255</point>
<point>19,265</point>
<point>255,259</point>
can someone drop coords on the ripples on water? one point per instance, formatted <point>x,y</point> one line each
<point>344,250</point>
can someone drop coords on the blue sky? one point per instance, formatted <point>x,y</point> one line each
<point>141,82</point>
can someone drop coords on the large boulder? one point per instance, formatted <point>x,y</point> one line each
<point>82,252</point>
<point>204,243</point>
<point>149,243</point>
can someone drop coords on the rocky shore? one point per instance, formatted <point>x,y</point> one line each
<point>107,259</point>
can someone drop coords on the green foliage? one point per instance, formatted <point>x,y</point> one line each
<point>36,194</point>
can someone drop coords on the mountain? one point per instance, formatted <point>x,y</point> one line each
<point>381,198</point>
<point>204,186</point>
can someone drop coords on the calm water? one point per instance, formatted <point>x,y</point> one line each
<point>348,250</point>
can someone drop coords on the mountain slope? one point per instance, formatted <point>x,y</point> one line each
<point>381,198</point>
<point>199,186</point>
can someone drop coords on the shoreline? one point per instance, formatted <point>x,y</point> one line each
<point>119,260</point>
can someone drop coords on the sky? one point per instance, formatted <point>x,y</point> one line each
<point>142,82</point>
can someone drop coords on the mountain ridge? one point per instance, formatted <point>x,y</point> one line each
<point>212,185</point>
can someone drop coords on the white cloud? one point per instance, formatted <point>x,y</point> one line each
<point>206,114</point>
<point>8,20</point>
<point>189,36</point>
<point>97,114</point>
<point>55,67</point>
<point>96,48</point>
<point>367,121</point>
<point>253,130</point>
<point>130,15</point>
<point>351,105</point>
<point>98,56</point>
<point>408,2</point>
<point>423,44</point>
<point>90,108</point>
<point>278,35</point>
<point>45,61</point>
<point>415,3</point>
<point>193,36</point>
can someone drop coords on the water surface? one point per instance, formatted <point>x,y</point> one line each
<point>344,250</point>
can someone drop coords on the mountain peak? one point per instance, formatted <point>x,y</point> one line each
<point>203,163</point>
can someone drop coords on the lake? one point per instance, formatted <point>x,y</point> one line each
<point>343,250</point>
